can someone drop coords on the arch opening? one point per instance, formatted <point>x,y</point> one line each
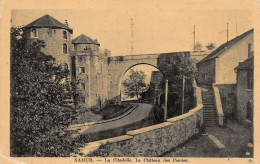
<point>153,78</point>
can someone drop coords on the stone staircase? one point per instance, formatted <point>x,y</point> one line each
<point>209,107</point>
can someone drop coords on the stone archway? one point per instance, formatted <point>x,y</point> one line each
<point>117,69</point>
<point>125,72</point>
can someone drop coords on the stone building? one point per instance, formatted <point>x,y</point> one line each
<point>244,90</point>
<point>90,70</point>
<point>82,56</point>
<point>152,95</point>
<point>217,70</point>
<point>218,66</point>
<point>57,38</point>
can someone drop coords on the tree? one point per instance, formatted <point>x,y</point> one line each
<point>134,84</point>
<point>197,47</point>
<point>210,46</point>
<point>39,97</point>
<point>175,67</point>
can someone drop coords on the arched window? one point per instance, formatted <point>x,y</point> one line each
<point>64,33</point>
<point>65,48</point>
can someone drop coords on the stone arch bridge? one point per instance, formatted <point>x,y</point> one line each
<point>119,65</point>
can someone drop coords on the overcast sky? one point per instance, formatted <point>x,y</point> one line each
<point>157,27</point>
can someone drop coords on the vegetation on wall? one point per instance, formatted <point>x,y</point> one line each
<point>40,97</point>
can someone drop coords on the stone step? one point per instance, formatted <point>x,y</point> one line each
<point>209,115</point>
<point>209,108</point>
<point>210,119</point>
<point>208,105</point>
<point>208,100</point>
<point>212,125</point>
<point>209,112</point>
<point>207,95</point>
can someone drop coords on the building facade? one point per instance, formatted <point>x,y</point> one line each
<point>82,56</point>
<point>90,71</point>
<point>57,38</point>
<point>218,66</point>
<point>244,91</point>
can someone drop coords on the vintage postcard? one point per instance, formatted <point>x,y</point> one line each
<point>129,81</point>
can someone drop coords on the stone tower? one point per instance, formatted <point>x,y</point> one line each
<point>89,68</point>
<point>56,35</point>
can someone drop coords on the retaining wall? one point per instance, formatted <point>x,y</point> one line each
<point>153,140</point>
<point>228,99</point>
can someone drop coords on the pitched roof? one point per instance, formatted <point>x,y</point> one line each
<point>224,47</point>
<point>247,64</point>
<point>47,21</point>
<point>83,39</point>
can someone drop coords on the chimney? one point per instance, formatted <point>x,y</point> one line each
<point>66,23</point>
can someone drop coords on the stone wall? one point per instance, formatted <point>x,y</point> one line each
<point>243,97</point>
<point>228,99</point>
<point>153,140</point>
<point>206,71</point>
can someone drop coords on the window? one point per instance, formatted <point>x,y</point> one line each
<point>83,99</point>
<point>250,79</point>
<point>65,48</point>
<point>34,33</point>
<point>250,50</point>
<point>82,70</point>
<point>64,34</point>
<point>249,111</point>
<point>83,86</point>
<point>66,67</point>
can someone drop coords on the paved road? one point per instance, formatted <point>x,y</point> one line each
<point>141,112</point>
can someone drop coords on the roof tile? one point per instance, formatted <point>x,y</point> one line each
<point>47,21</point>
<point>224,47</point>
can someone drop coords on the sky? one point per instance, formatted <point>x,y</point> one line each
<point>157,27</point>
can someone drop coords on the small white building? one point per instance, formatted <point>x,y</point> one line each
<point>218,66</point>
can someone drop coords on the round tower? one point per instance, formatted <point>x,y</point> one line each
<point>56,35</point>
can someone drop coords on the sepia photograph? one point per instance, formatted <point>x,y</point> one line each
<point>130,81</point>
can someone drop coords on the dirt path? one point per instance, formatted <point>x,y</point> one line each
<point>232,141</point>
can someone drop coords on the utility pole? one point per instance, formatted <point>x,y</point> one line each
<point>183,87</point>
<point>236,26</point>
<point>227,32</point>
<point>166,99</point>
<point>132,37</point>
<point>194,38</point>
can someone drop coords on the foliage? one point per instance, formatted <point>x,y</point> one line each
<point>40,94</point>
<point>210,46</point>
<point>135,84</point>
<point>197,47</point>
<point>120,58</point>
<point>175,67</point>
